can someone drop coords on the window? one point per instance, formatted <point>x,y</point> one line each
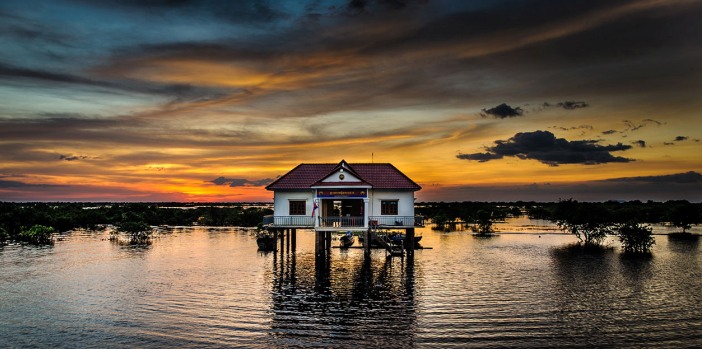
<point>388,207</point>
<point>298,208</point>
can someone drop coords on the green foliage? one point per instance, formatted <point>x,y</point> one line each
<point>136,228</point>
<point>67,216</point>
<point>4,236</point>
<point>37,235</point>
<point>590,223</point>
<point>635,238</point>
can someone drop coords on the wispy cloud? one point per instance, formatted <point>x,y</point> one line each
<point>241,182</point>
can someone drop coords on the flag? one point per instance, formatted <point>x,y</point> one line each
<point>314,208</point>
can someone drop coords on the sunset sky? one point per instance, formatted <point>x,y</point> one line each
<point>160,100</point>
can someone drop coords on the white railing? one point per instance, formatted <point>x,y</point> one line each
<point>293,221</point>
<point>398,221</point>
<point>343,221</point>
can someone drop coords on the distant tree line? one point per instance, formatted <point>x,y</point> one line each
<point>591,223</point>
<point>679,213</point>
<point>17,219</point>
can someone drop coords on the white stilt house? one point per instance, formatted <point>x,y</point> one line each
<point>343,196</point>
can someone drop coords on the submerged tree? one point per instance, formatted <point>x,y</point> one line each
<point>37,235</point>
<point>684,214</point>
<point>483,223</point>
<point>636,238</point>
<point>4,236</point>
<point>136,228</point>
<point>590,223</point>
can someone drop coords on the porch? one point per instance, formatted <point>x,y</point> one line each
<point>344,222</point>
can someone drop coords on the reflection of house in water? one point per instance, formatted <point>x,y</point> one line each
<point>351,301</point>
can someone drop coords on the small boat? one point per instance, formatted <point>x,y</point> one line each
<point>346,239</point>
<point>396,238</point>
<point>399,238</point>
<point>266,240</point>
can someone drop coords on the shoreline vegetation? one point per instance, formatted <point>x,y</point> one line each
<point>36,222</point>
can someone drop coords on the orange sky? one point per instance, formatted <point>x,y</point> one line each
<point>481,101</point>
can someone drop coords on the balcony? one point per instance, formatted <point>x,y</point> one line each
<point>397,221</point>
<point>293,221</point>
<point>342,222</point>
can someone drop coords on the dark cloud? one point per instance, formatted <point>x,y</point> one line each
<point>681,138</point>
<point>241,182</point>
<point>689,177</point>
<point>502,111</point>
<point>365,5</point>
<point>659,123</point>
<point>4,184</point>
<point>567,105</point>
<point>640,143</point>
<point>582,191</point>
<point>544,147</point>
<point>177,92</point>
<point>581,127</point>
<point>631,126</point>
<point>240,11</point>
<point>11,72</point>
<point>72,157</point>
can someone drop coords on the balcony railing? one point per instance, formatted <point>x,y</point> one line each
<point>399,221</point>
<point>293,221</point>
<point>343,221</point>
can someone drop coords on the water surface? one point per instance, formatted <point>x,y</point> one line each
<point>208,287</point>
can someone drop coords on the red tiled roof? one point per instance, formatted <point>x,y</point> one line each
<point>379,176</point>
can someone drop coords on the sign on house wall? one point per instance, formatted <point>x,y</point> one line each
<point>342,193</point>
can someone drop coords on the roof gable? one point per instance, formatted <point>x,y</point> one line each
<point>378,176</point>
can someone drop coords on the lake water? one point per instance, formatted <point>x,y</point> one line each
<point>210,287</point>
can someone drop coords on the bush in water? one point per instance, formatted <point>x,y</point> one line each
<point>37,235</point>
<point>635,237</point>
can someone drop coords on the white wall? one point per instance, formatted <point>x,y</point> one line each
<point>405,201</point>
<point>281,201</point>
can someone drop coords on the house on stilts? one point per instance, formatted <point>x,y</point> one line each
<point>340,197</point>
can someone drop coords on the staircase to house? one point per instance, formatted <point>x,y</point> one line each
<point>384,241</point>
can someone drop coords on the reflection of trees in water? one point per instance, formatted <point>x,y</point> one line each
<point>342,302</point>
<point>605,298</point>
<point>582,293</point>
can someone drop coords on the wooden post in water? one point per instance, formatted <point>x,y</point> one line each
<point>367,242</point>
<point>318,243</point>
<point>281,238</point>
<point>287,239</point>
<point>294,239</point>
<point>409,240</point>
